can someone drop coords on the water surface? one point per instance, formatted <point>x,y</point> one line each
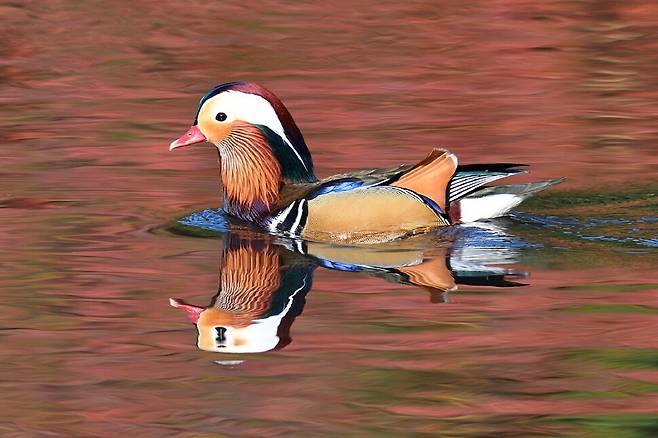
<point>548,324</point>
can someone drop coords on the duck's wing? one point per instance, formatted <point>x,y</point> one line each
<point>372,176</point>
<point>472,177</point>
<point>359,178</point>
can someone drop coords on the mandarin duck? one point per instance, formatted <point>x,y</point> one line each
<point>263,283</point>
<point>268,178</point>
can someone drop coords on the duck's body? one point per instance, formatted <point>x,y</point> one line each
<point>268,179</point>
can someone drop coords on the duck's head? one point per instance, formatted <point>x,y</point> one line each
<point>238,114</point>
<point>221,331</point>
<point>260,146</point>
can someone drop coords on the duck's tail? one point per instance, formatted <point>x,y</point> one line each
<point>492,202</point>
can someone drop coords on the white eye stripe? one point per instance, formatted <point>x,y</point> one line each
<point>253,109</point>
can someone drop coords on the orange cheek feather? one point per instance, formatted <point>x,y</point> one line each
<point>215,132</point>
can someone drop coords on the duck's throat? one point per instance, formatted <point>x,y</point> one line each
<point>251,175</point>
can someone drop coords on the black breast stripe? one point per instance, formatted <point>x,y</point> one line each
<point>294,222</point>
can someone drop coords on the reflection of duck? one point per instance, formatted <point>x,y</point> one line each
<point>268,179</point>
<point>259,296</point>
<point>263,284</point>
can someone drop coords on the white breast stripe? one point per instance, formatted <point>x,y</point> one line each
<point>280,218</point>
<point>300,211</point>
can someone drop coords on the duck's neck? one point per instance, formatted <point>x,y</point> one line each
<point>255,164</point>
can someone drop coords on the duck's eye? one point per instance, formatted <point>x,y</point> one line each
<point>220,117</point>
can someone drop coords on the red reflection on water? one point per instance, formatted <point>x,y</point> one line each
<point>91,95</point>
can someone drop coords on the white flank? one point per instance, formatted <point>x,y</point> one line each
<point>487,207</point>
